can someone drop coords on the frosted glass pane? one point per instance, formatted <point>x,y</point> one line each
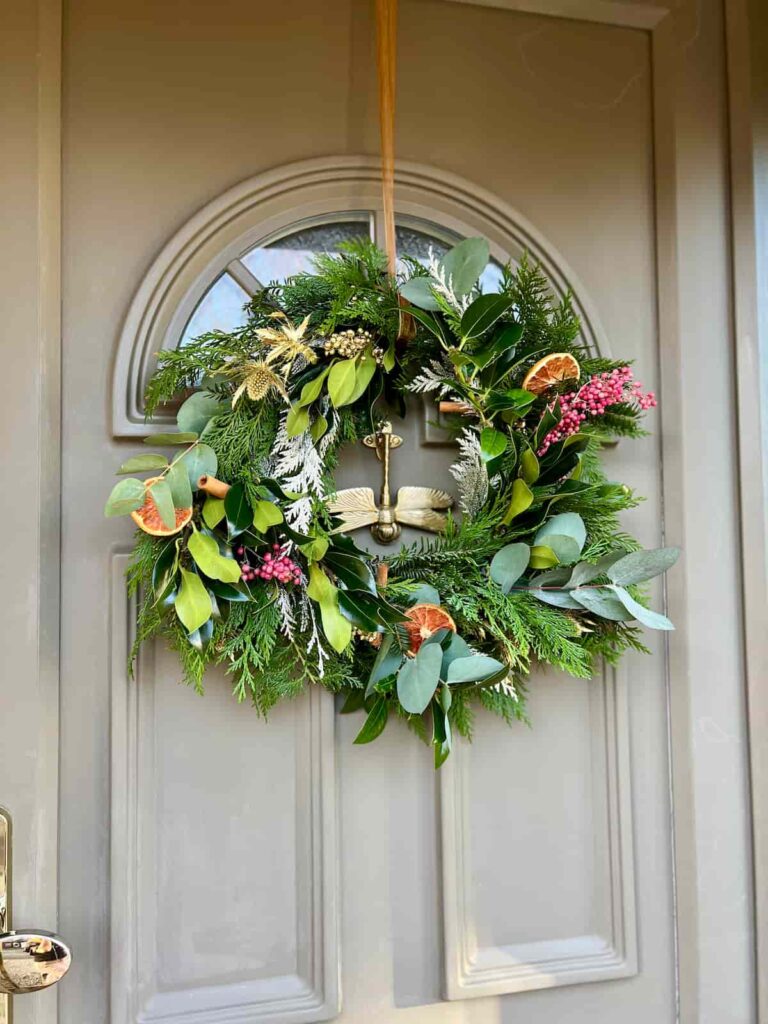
<point>221,309</point>
<point>293,253</point>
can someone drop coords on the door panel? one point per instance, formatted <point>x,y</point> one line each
<point>237,868</point>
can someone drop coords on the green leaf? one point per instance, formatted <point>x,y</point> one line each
<point>457,648</point>
<point>419,292</point>
<point>418,678</point>
<point>312,389</point>
<point>337,628</point>
<point>375,722</point>
<point>227,592</point>
<point>186,438</point>
<point>297,420</point>
<point>509,564</point>
<point>163,499</point>
<point>388,660</point>
<point>178,481</point>
<point>654,620</point>
<point>585,572</point>
<point>424,593</point>
<point>542,557</point>
<point>237,509</point>
<point>266,514</point>
<point>390,358</point>
<point>164,571</point>
<point>199,408</point>
<point>483,313</point>
<point>318,427</point>
<point>529,466</point>
<point>441,730</point>
<point>193,603</point>
<point>213,511</point>
<point>492,443</point>
<point>568,524</point>
<point>600,601</point>
<point>199,461</point>
<point>472,669</point>
<point>517,399</point>
<point>366,367</point>
<point>353,572</point>
<point>143,463</point>
<point>315,549</point>
<point>205,552</point>
<point>126,496</point>
<point>642,565</point>
<point>566,549</point>
<point>360,609</point>
<point>522,497</point>
<point>354,701</point>
<point>558,598</point>
<point>465,262</point>
<point>433,325</point>
<point>341,381</point>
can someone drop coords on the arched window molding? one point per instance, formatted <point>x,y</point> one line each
<point>270,205</point>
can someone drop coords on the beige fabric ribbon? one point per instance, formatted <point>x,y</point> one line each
<point>386,52</point>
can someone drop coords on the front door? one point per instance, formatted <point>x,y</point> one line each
<point>215,868</point>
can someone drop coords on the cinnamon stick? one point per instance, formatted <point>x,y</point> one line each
<point>462,408</point>
<point>382,575</point>
<point>216,488</point>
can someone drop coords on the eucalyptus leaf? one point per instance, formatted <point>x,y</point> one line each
<point>557,598</point>
<point>185,438</point>
<point>193,603</point>
<point>568,524</point>
<point>419,292</point>
<point>417,680</point>
<point>143,464</point>
<point>566,549</point>
<point>424,593</point>
<point>585,572</point>
<point>457,648</point>
<point>199,408</point>
<point>509,564</point>
<point>600,601</point>
<point>464,263</point>
<point>654,620</point>
<point>181,489</point>
<point>341,381</point>
<point>163,499</point>
<point>472,669</point>
<point>199,461</point>
<point>126,496</point>
<point>265,515</point>
<point>642,565</point>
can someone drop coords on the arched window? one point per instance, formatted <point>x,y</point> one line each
<point>269,227</point>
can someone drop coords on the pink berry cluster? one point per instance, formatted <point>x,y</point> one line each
<point>274,565</point>
<point>593,399</point>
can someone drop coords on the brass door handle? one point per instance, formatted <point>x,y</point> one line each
<point>31,960</point>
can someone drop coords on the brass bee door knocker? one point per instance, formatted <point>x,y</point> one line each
<point>414,506</point>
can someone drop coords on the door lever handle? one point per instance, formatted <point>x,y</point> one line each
<point>31,960</point>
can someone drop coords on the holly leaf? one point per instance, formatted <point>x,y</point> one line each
<point>193,603</point>
<point>238,510</point>
<point>388,661</point>
<point>126,496</point>
<point>375,722</point>
<point>353,572</point>
<point>483,313</point>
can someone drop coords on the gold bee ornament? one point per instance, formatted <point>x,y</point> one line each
<point>421,507</point>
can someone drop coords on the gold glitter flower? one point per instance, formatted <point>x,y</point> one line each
<point>258,379</point>
<point>285,342</point>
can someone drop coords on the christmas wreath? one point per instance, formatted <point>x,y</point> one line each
<point>243,556</point>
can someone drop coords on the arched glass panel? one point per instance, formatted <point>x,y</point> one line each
<point>292,253</point>
<point>220,309</point>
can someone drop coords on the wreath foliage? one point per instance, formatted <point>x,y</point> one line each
<point>239,560</point>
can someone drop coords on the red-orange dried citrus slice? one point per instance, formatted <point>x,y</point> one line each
<point>552,369</point>
<point>148,518</point>
<point>424,621</point>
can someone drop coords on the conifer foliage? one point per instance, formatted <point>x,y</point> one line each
<point>240,562</point>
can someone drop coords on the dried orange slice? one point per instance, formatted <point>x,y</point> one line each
<point>148,518</point>
<point>424,621</point>
<point>552,369</point>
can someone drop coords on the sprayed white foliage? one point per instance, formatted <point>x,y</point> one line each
<point>506,687</point>
<point>308,615</point>
<point>470,473</point>
<point>287,614</point>
<point>443,284</point>
<point>300,467</point>
<point>434,377</point>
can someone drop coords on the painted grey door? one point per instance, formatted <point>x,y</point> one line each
<point>215,868</point>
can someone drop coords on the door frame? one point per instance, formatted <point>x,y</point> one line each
<point>31,288</point>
